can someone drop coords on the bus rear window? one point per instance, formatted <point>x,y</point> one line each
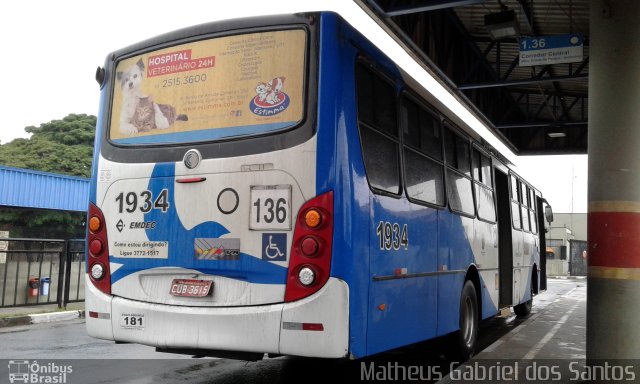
<point>226,87</point>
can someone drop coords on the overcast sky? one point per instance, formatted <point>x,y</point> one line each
<point>50,51</point>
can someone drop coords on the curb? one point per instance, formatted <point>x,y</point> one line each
<point>41,318</point>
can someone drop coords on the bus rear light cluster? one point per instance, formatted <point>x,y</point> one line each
<point>310,264</point>
<point>98,260</point>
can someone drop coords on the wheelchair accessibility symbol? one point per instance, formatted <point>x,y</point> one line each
<point>274,246</point>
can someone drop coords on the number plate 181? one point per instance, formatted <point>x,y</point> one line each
<point>270,207</point>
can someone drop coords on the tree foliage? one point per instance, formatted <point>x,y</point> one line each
<point>59,146</point>
<point>42,223</point>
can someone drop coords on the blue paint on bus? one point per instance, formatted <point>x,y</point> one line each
<point>181,242</point>
<point>421,307</point>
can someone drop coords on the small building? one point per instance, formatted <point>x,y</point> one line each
<point>567,245</point>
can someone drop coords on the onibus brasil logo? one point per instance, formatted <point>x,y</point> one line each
<point>23,371</point>
<point>269,99</point>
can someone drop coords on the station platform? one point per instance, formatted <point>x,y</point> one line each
<point>549,346</point>
<point>557,331</point>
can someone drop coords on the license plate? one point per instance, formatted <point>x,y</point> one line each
<point>191,288</point>
<point>270,207</point>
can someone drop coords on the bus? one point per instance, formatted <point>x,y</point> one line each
<point>280,185</point>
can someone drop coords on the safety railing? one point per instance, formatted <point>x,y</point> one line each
<point>41,271</point>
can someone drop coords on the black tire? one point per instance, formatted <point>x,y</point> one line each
<point>469,320</point>
<point>524,309</point>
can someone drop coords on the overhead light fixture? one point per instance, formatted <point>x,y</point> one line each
<point>557,132</point>
<point>502,24</point>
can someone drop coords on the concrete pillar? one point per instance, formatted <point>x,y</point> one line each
<point>613,296</point>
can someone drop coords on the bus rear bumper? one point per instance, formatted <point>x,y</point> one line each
<point>317,326</point>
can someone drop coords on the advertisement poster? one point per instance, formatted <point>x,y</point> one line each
<point>210,89</point>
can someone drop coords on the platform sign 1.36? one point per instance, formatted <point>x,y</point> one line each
<point>556,49</point>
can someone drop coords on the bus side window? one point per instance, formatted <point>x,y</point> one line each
<point>457,152</point>
<point>485,204</point>
<point>377,123</point>
<point>523,206</point>
<point>532,210</point>
<point>515,203</point>
<point>459,184</point>
<point>424,173</point>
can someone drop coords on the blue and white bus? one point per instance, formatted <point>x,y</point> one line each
<point>281,185</point>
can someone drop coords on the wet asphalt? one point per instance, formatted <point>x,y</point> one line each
<point>99,361</point>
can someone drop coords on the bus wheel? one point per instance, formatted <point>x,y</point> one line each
<point>524,309</point>
<point>468,334</point>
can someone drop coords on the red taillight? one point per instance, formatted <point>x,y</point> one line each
<point>310,263</point>
<point>309,246</point>
<point>95,247</point>
<point>98,260</point>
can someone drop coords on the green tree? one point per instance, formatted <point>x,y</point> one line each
<point>59,146</point>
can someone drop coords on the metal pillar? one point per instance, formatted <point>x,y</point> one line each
<point>613,299</point>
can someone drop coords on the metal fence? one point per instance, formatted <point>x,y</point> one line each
<point>41,271</point>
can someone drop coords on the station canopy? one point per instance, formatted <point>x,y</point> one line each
<point>521,64</point>
<point>27,188</point>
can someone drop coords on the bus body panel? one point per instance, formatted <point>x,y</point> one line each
<point>526,237</point>
<point>428,311</point>
<point>275,328</point>
<point>98,312</point>
<point>339,169</point>
<point>403,285</point>
<point>329,307</point>
<point>454,255</point>
<point>485,247</point>
<point>193,223</point>
<point>472,241</point>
